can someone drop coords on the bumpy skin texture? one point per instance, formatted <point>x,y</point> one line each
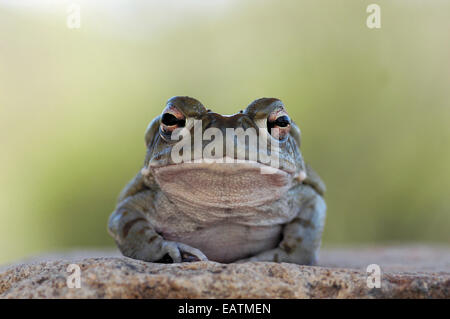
<point>226,212</point>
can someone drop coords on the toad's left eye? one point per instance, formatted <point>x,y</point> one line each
<point>282,121</point>
<point>278,125</point>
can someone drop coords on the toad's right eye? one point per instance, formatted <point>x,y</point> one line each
<point>171,119</point>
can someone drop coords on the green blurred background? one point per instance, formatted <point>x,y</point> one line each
<point>373,106</point>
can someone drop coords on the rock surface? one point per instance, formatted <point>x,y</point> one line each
<point>407,272</point>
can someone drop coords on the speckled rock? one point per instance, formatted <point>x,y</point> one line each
<point>407,272</point>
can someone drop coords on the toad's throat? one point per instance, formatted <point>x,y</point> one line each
<point>222,185</point>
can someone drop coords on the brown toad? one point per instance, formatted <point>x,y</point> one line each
<point>225,208</point>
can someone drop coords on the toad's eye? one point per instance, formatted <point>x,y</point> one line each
<point>171,119</point>
<point>279,124</point>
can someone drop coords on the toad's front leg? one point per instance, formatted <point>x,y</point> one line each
<point>137,238</point>
<point>302,236</point>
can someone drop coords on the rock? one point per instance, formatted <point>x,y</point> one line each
<point>407,272</point>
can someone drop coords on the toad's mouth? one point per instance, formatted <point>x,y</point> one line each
<point>223,185</point>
